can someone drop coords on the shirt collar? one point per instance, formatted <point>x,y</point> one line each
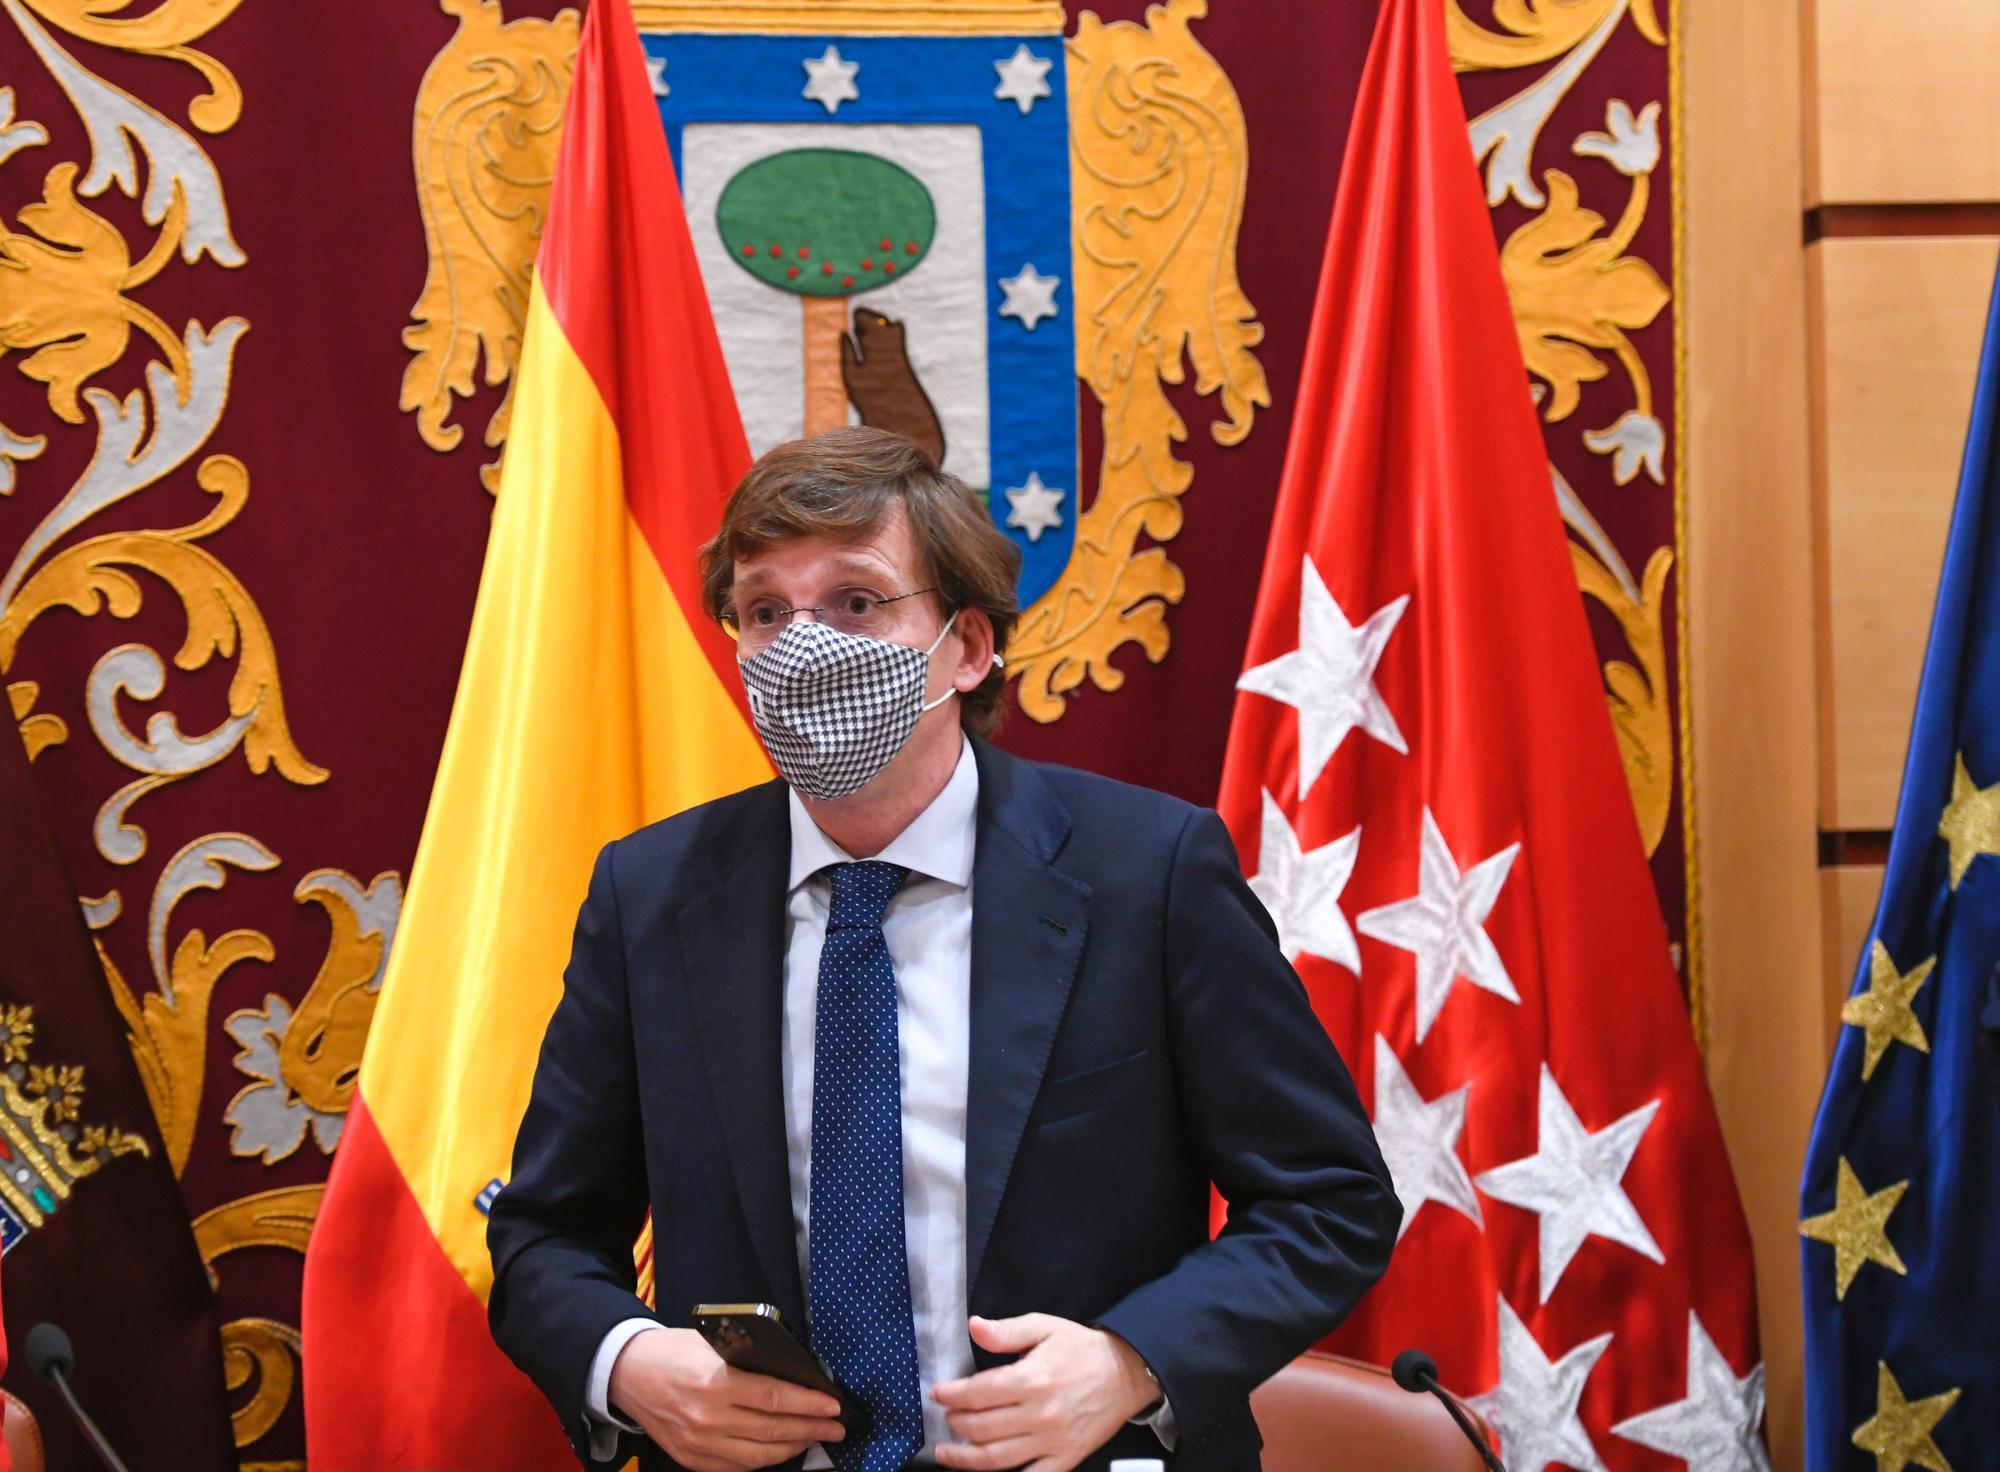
<point>937,844</point>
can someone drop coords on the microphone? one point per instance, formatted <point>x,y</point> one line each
<point>54,1361</point>
<point>1417,1372</point>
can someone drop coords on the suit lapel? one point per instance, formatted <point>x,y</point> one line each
<point>733,946</point>
<point>1029,922</point>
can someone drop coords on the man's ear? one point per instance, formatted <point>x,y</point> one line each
<point>975,663</point>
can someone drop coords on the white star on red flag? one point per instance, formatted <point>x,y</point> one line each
<point>1573,1181</point>
<point>1534,1407</point>
<point>1443,924</point>
<point>1420,668</point>
<point>1301,888</point>
<point>1419,1140</point>
<point>1330,677</point>
<point>1717,1425</point>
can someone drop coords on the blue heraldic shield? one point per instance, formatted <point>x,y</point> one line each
<point>883,225</point>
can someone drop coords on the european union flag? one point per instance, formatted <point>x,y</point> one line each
<point>1900,1205</point>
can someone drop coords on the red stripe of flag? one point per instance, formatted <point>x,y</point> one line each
<point>617,257</point>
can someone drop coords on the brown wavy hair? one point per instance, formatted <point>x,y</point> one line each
<point>838,486</point>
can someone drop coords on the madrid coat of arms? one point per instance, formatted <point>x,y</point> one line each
<point>938,219</point>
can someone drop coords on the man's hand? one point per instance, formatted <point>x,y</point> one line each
<point>1071,1391</point>
<point>709,1417</point>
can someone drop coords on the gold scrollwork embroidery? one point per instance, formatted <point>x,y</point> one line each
<point>222,619</point>
<point>1573,290</point>
<point>1576,294</point>
<point>259,1350</point>
<point>1160,157</point>
<point>39,729</point>
<point>488,117</point>
<point>180,175</point>
<point>265,1352</point>
<point>69,288</point>
<point>1534,31</point>
<point>278,1218</point>
<point>64,292</point>
<point>168,1027</point>
<point>1641,712</point>
<point>164,31</point>
<point>304,1062</point>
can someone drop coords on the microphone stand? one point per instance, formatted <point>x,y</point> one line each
<point>1429,1382</point>
<point>83,1422</point>
<point>50,1356</point>
<point>1417,1372</point>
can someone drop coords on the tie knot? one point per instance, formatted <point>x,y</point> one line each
<point>861,893</point>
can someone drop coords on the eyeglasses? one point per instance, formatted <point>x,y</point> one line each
<point>757,625</point>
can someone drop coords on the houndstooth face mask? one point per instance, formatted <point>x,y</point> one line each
<point>833,709</point>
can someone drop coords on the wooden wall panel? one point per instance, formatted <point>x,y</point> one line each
<point>1895,337</point>
<point>1905,101</point>
<point>1848,893</point>
<point>1826,397</point>
<point>1750,636</point>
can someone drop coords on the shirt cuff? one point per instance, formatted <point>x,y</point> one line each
<point>1161,1419</point>
<point>604,1422</point>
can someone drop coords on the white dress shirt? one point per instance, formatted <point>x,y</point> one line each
<point>928,930</point>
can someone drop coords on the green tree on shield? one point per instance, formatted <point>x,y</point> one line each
<point>827,224</point>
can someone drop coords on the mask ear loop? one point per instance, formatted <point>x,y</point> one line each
<point>950,691</point>
<point>942,632</point>
<point>998,662</point>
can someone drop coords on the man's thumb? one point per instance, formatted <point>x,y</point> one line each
<point>1011,1336</point>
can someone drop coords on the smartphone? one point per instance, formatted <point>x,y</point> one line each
<point>755,1337</point>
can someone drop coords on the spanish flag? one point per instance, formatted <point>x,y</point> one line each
<point>594,698</point>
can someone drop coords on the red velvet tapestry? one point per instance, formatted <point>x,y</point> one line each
<point>262,277</point>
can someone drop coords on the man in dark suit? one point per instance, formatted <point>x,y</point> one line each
<point>935,1049</point>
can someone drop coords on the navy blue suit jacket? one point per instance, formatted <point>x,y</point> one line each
<point>1136,1034</point>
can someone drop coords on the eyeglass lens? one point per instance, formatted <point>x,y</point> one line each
<point>861,614</point>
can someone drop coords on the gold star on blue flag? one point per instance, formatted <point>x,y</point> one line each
<point>1902,1284</point>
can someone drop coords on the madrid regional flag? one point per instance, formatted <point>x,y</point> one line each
<point>594,699</point>
<point>1422,778</point>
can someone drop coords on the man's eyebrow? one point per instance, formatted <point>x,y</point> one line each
<point>859,564</point>
<point>862,563</point>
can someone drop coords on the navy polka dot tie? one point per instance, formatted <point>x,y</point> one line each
<point>861,1324</point>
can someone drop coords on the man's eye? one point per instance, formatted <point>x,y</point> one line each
<point>763,615</point>
<point>859,605</point>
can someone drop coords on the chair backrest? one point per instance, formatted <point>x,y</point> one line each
<point>22,1436</point>
<point>1325,1414</point>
